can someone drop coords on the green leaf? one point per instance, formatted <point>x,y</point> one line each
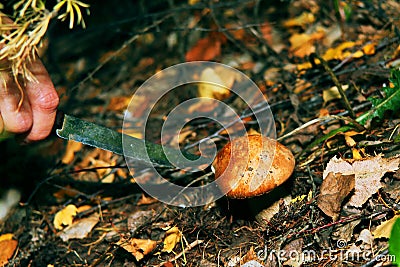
<point>394,242</point>
<point>391,101</point>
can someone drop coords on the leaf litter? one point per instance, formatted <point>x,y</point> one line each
<point>352,196</point>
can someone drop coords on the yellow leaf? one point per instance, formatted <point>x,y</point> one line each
<point>304,66</point>
<point>369,49</point>
<point>349,141</point>
<point>138,247</point>
<point>6,237</point>
<point>301,45</point>
<point>105,174</point>
<point>172,237</point>
<point>193,2</point>
<point>304,19</point>
<point>65,217</point>
<point>384,229</point>
<point>72,148</point>
<point>212,85</point>
<point>356,154</point>
<point>333,93</point>
<point>337,52</point>
<point>357,54</point>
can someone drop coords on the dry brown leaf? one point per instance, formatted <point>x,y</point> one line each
<point>334,190</point>
<point>251,256</point>
<point>72,148</point>
<point>65,217</point>
<point>294,247</point>
<point>7,249</point>
<point>206,48</point>
<point>385,228</point>
<point>145,200</point>
<point>80,229</point>
<point>345,231</point>
<point>66,191</point>
<point>368,173</point>
<point>172,237</point>
<point>266,215</point>
<point>138,247</point>
<point>119,103</point>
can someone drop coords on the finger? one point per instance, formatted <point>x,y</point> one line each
<point>15,119</point>
<point>43,100</point>
<point>2,130</point>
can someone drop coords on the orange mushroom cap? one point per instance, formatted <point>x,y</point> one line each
<point>252,165</point>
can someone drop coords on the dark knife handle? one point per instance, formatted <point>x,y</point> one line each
<point>58,123</point>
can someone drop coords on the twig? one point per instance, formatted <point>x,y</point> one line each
<point>376,259</point>
<point>324,119</point>
<point>335,81</point>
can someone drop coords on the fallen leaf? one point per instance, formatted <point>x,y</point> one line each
<point>369,49</point>
<point>394,242</point>
<point>333,93</point>
<point>65,217</point>
<point>250,256</point>
<point>368,173</point>
<point>384,229</point>
<point>334,189</point>
<point>145,200</point>
<point>302,20</point>
<point>66,191</point>
<point>4,237</point>
<point>366,236</point>
<point>105,174</point>
<point>7,249</point>
<point>293,248</point>
<point>138,247</point>
<point>172,237</point>
<point>264,216</point>
<point>212,85</point>
<point>80,229</point>
<point>206,48</point>
<point>345,231</point>
<point>339,52</point>
<point>301,44</point>
<point>72,148</point>
<point>119,103</point>
<point>356,153</point>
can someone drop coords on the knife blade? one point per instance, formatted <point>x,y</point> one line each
<point>73,128</point>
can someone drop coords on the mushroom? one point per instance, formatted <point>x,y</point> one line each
<point>252,165</point>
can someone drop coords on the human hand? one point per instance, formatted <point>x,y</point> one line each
<point>36,115</point>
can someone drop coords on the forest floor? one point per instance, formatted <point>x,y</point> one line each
<point>298,53</point>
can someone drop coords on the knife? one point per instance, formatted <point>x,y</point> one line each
<point>145,152</point>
